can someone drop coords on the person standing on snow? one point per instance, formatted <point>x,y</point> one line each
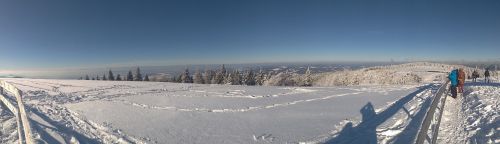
<point>487,76</point>
<point>461,80</point>
<point>453,76</point>
<point>475,75</point>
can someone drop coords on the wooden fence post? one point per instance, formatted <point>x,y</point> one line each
<point>24,118</point>
<point>23,124</point>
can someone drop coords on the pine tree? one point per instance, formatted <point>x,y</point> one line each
<point>269,75</point>
<point>198,78</point>
<point>259,78</point>
<point>308,79</point>
<point>97,77</point>
<point>146,78</point>
<point>249,78</point>
<point>81,78</point>
<point>223,69</point>
<point>104,77</point>
<point>138,76</point>
<point>220,75</point>
<point>208,76</point>
<point>110,76</point>
<point>179,79</point>
<point>118,77</point>
<point>236,78</point>
<point>174,79</point>
<point>186,77</point>
<point>130,77</point>
<point>93,78</point>
<point>228,79</point>
<point>214,79</point>
<point>87,77</point>
<point>219,78</point>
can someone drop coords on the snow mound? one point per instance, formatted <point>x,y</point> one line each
<point>473,118</point>
<point>410,73</point>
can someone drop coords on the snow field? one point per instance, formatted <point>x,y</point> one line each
<point>151,112</point>
<point>397,122</point>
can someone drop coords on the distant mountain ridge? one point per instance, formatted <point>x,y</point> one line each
<point>10,76</point>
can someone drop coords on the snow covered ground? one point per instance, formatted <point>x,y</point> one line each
<point>8,132</point>
<point>473,117</point>
<point>64,111</point>
<point>409,73</point>
<point>152,112</point>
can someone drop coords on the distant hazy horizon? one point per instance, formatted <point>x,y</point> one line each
<point>76,72</point>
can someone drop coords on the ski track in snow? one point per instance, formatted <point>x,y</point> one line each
<point>70,124</point>
<point>232,110</point>
<point>61,124</point>
<point>99,94</point>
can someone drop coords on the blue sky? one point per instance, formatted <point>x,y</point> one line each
<point>58,34</point>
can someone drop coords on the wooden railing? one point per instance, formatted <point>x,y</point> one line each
<point>433,118</point>
<point>23,124</point>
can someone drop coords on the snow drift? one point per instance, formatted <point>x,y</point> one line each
<point>411,73</point>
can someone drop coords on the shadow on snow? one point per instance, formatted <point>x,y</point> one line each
<point>365,132</point>
<point>59,127</point>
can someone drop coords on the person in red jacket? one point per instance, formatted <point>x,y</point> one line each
<point>461,80</point>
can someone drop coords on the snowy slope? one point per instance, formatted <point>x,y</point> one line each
<point>152,112</point>
<point>410,73</point>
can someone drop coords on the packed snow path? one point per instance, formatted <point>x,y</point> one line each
<point>474,117</point>
<point>152,112</point>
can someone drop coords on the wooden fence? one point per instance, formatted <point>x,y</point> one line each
<point>23,123</point>
<point>433,117</point>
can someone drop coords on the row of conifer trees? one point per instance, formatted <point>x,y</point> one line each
<point>220,76</point>
<point>247,77</point>
<point>110,77</point>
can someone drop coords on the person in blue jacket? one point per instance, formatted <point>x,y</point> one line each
<point>453,76</point>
